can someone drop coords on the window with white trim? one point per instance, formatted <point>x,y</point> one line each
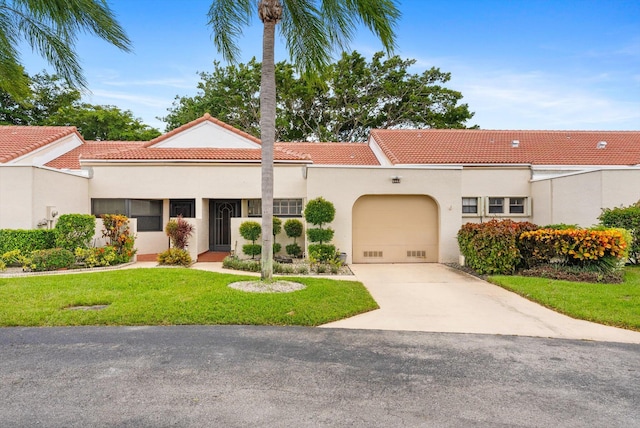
<point>496,206</point>
<point>470,206</point>
<point>281,207</point>
<point>517,206</point>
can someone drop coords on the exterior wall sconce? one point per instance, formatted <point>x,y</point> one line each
<point>396,179</point>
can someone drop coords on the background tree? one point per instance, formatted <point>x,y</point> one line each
<point>51,28</point>
<point>348,99</point>
<point>312,31</point>
<point>96,122</point>
<point>48,93</point>
<point>53,102</point>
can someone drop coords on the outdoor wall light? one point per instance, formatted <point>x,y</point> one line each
<point>395,179</point>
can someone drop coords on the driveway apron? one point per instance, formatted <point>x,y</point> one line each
<point>436,298</point>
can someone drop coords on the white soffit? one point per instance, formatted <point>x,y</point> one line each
<point>207,135</point>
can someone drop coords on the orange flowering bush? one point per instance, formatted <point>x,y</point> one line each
<point>116,230</point>
<point>572,246</point>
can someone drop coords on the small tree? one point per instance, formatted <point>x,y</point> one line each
<point>250,230</point>
<point>116,230</point>
<point>320,212</point>
<point>277,228</point>
<point>179,231</point>
<point>293,228</point>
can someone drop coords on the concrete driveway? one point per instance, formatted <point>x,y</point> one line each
<point>436,298</point>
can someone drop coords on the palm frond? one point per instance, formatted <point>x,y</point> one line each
<point>227,19</point>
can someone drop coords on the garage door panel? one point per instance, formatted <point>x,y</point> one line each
<point>395,229</point>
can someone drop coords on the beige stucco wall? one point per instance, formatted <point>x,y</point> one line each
<point>579,198</point>
<point>26,192</point>
<point>191,181</point>
<point>344,185</point>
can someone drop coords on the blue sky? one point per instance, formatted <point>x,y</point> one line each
<point>536,64</point>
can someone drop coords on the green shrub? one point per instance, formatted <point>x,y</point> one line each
<point>319,211</point>
<point>3,265</point>
<point>626,218</point>
<point>51,259</point>
<point>293,228</point>
<point>26,240</point>
<point>176,257</point>
<point>276,248</point>
<point>12,258</point>
<point>320,235</point>
<point>302,269</point>
<point>179,231</point>
<point>322,252</point>
<point>283,268</point>
<point>492,247</point>
<point>294,250</point>
<point>75,231</point>
<point>252,249</point>
<point>231,262</point>
<point>250,230</point>
<point>97,256</point>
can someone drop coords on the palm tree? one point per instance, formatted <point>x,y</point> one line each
<point>51,28</point>
<point>313,30</point>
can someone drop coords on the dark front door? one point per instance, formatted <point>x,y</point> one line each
<point>220,214</point>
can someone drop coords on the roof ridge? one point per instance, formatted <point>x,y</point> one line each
<point>204,118</point>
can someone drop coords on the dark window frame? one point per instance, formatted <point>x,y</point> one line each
<point>174,206</point>
<point>142,225</point>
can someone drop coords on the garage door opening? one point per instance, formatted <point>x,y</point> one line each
<point>395,229</point>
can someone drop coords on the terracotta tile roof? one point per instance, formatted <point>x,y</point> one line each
<point>334,153</point>
<point>16,141</point>
<point>205,154</point>
<point>471,146</point>
<point>206,117</point>
<point>71,159</point>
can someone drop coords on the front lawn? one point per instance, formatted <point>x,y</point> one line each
<point>173,296</point>
<point>611,304</point>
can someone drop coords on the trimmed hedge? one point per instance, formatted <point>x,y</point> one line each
<point>492,247</point>
<point>26,240</point>
<point>75,231</point>
<point>51,259</point>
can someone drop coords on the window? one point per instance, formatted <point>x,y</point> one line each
<point>148,212</point>
<point>184,207</point>
<point>470,206</point>
<point>496,205</point>
<point>281,207</point>
<point>516,205</point>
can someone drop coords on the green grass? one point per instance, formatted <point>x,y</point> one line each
<point>171,297</point>
<point>610,304</point>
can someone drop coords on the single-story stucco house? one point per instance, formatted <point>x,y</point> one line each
<point>399,197</point>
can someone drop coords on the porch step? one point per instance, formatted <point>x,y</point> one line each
<point>212,256</point>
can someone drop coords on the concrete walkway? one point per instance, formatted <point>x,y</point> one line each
<point>431,297</point>
<point>435,298</point>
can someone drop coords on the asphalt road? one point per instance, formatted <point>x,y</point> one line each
<point>238,376</point>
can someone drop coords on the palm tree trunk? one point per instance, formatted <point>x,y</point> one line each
<point>267,135</point>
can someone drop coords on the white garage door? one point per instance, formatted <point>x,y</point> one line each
<point>395,229</point>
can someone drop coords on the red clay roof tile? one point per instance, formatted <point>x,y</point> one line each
<point>334,153</point>
<point>16,141</point>
<point>471,146</point>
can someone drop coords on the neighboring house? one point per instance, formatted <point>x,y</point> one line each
<point>400,197</point>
